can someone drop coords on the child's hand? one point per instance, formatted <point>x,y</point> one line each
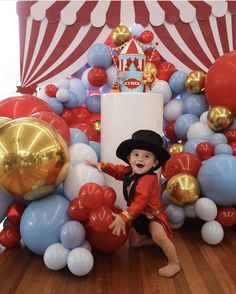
<point>118,225</point>
<point>94,164</point>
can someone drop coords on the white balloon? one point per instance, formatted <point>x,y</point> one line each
<point>190,211</point>
<point>111,75</point>
<point>199,130</point>
<point>80,261</point>
<point>203,117</point>
<point>80,152</point>
<point>173,109</point>
<point>162,87</point>
<point>55,256</point>
<point>212,232</point>
<point>79,175</point>
<point>205,209</point>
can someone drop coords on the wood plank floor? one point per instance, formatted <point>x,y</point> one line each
<point>205,269</point>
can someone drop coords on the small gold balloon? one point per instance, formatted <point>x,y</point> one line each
<point>174,148</point>
<point>97,125</point>
<point>195,81</point>
<point>120,35</point>
<point>219,118</point>
<point>34,158</point>
<point>3,120</point>
<point>183,189</point>
<point>150,67</point>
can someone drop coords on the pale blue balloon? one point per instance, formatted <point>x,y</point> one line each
<point>80,261</point>
<point>5,201</point>
<point>184,95</point>
<point>72,102</point>
<point>99,55</point>
<point>77,88</point>
<point>63,95</point>
<point>63,83</point>
<point>175,213</point>
<point>223,149</point>
<point>105,89</point>
<point>191,145</point>
<point>182,124</point>
<point>59,190</point>
<point>55,256</point>
<point>56,105</point>
<point>177,81</point>
<point>218,138</point>
<point>136,29</point>
<point>165,197</point>
<point>72,234</point>
<point>217,179</point>
<point>41,222</point>
<point>97,148</point>
<point>195,104</point>
<point>78,136</point>
<point>93,103</point>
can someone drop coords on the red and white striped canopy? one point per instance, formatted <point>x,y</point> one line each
<point>55,35</point>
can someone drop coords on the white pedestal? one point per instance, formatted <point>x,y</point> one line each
<point>121,115</point>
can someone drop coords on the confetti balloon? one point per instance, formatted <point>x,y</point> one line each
<point>219,118</point>
<point>195,81</point>
<point>34,158</point>
<point>183,189</point>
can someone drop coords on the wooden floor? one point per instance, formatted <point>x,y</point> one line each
<point>205,269</point>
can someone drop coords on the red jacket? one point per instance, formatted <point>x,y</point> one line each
<point>146,197</point>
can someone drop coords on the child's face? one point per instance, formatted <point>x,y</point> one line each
<point>141,161</point>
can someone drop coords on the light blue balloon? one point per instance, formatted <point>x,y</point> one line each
<point>97,148</point>
<point>191,145</point>
<point>63,95</point>
<point>77,88</point>
<point>5,201</point>
<point>56,105</point>
<point>218,138</point>
<point>72,234</point>
<point>41,222</point>
<point>217,179</point>
<point>184,95</point>
<point>175,213</point>
<point>78,136</point>
<point>182,124</point>
<point>223,149</point>
<point>136,29</point>
<point>63,83</point>
<point>105,89</point>
<point>99,55</point>
<point>165,197</point>
<point>59,190</point>
<point>72,102</point>
<point>195,104</point>
<point>177,81</point>
<point>93,103</point>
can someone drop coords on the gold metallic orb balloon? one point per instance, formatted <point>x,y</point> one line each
<point>4,120</point>
<point>195,81</point>
<point>97,125</point>
<point>150,67</point>
<point>183,188</point>
<point>174,148</point>
<point>34,158</point>
<point>219,118</point>
<point>120,35</point>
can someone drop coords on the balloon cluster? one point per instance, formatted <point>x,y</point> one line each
<point>95,207</point>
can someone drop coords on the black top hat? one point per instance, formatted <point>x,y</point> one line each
<point>145,140</point>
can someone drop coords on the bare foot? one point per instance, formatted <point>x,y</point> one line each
<point>169,270</point>
<point>137,240</point>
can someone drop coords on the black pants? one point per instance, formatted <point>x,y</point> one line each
<point>141,225</point>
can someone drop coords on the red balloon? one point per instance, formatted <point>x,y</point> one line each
<point>146,37</point>
<point>153,56</point>
<point>165,70</point>
<point>106,241</point>
<point>22,106</point>
<point>233,145</point>
<point>218,93</point>
<point>182,162</point>
<point>91,195</point>
<point>109,196</point>
<point>82,114</point>
<point>69,116</point>
<point>51,90</point>
<point>77,211</point>
<point>230,135</point>
<point>10,236</point>
<point>14,212</point>
<point>101,218</point>
<point>89,131</point>
<point>170,131</point>
<point>226,216</point>
<point>205,150</point>
<point>95,117</point>
<point>97,76</point>
<point>56,122</point>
